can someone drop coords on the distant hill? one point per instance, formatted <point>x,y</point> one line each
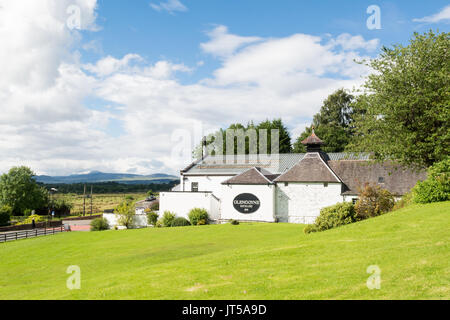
<point>97,176</point>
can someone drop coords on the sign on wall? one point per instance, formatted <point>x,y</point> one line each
<point>246,203</point>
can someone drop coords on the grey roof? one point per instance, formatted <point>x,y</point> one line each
<point>251,176</point>
<point>276,163</point>
<point>397,180</point>
<point>312,168</point>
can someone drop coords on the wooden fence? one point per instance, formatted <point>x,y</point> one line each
<point>12,236</point>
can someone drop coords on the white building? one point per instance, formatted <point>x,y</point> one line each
<point>281,187</point>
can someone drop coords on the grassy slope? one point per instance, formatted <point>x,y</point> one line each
<point>249,261</point>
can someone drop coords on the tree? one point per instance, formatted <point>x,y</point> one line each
<point>333,124</point>
<point>284,138</point>
<point>404,110</point>
<point>126,213</point>
<point>20,191</point>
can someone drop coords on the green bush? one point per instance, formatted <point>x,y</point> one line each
<point>437,185</point>
<point>198,217</point>
<point>167,219</point>
<point>405,201</point>
<point>180,222</point>
<point>155,206</point>
<point>332,217</point>
<point>373,201</point>
<point>152,217</point>
<point>234,222</point>
<point>5,215</point>
<point>99,224</point>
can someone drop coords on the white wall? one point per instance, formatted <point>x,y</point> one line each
<point>265,194</point>
<point>181,203</point>
<point>301,202</point>
<point>206,183</point>
<point>140,220</point>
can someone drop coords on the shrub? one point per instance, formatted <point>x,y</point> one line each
<point>167,219</point>
<point>152,217</point>
<point>155,206</point>
<point>198,217</point>
<point>5,215</point>
<point>406,200</point>
<point>437,185</point>
<point>234,222</point>
<point>99,224</point>
<point>373,201</point>
<point>126,214</point>
<point>29,220</point>
<point>332,217</point>
<point>180,222</point>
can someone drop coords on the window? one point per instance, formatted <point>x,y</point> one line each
<point>286,184</point>
<point>325,184</point>
<point>380,179</point>
<point>194,186</point>
<point>354,200</point>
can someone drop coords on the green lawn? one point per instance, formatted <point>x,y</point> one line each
<point>248,261</point>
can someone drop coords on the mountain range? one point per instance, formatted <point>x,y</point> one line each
<point>97,177</point>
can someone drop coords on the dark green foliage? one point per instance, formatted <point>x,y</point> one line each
<point>437,185</point>
<point>167,219</point>
<point>198,216</point>
<point>284,138</point>
<point>152,218</point>
<point>20,191</point>
<point>404,112</point>
<point>5,215</point>
<point>234,222</point>
<point>112,187</point>
<point>99,224</point>
<point>332,217</point>
<point>373,201</point>
<point>180,222</point>
<point>333,124</point>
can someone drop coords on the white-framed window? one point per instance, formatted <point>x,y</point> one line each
<point>325,184</point>
<point>194,187</point>
<point>354,200</point>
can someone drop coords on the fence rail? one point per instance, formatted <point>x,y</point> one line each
<point>12,236</point>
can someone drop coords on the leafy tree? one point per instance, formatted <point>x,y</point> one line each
<point>284,138</point>
<point>404,110</point>
<point>333,124</point>
<point>437,185</point>
<point>126,213</point>
<point>373,201</point>
<point>20,191</point>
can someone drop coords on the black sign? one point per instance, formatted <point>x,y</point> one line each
<point>246,203</point>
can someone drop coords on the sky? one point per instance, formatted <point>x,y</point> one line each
<point>132,86</point>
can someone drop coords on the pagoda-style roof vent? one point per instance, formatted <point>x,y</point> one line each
<point>313,142</point>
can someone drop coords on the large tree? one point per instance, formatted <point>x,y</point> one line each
<point>20,191</point>
<point>277,124</point>
<point>405,105</point>
<point>333,124</point>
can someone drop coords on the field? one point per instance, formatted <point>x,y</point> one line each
<point>248,261</point>
<point>100,202</point>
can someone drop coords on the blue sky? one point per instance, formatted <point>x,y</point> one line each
<point>136,84</point>
<point>176,35</point>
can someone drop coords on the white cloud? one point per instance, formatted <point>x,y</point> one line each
<point>170,6</point>
<point>223,44</point>
<point>441,16</point>
<point>47,125</point>
<point>349,42</point>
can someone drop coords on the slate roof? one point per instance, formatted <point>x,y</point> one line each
<point>397,180</point>
<point>312,168</point>
<point>276,163</point>
<point>251,176</point>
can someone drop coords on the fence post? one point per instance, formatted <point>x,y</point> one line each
<point>16,235</point>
